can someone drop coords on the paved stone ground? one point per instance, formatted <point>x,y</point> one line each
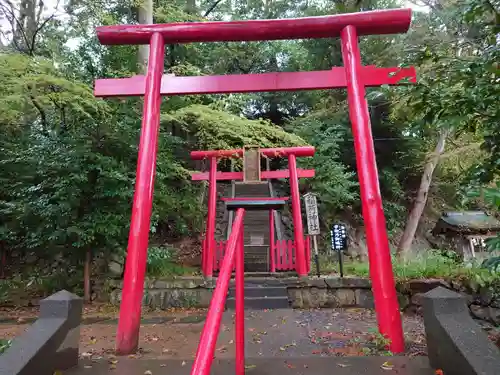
<point>325,332</point>
<point>266,366</point>
<point>269,333</point>
<point>287,336</point>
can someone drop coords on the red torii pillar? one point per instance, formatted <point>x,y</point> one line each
<point>293,173</point>
<point>354,76</point>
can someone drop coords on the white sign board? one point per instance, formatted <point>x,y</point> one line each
<point>312,214</point>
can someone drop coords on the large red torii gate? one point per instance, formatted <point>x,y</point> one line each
<point>353,76</point>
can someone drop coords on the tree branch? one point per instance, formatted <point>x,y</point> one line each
<point>43,116</point>
<point>33,38</point>
<point>20,27</point>
<point>211,8</point>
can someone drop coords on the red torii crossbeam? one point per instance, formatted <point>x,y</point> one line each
<point>390,21</point>
<point>171,85</point>
<point>353,76</point>
<point>266,175</point>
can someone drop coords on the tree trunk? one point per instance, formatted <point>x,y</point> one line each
<point>190,7</point>
<point>87,292</point>
<point>3,250</point>
<point>421,200</point>
<point>145,17</point>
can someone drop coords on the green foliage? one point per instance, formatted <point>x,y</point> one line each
<point>435,264</point>
<point>218,130</point>
<point>492,264</point>
<point>430,264</point>
<point>4,345</point>
<point>161,263</point>
<point>68,167</point>
<point>490,197</point>
<point>335,185</point>
<point>36,282</point>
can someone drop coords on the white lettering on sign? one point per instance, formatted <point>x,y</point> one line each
<point>312,214</point>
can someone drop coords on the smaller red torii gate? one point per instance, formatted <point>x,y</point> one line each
<point>293,173</point>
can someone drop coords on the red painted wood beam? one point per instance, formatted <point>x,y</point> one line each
<point>299,151</point>
<point>247,83</point>
<point>266,175</point>
<point>390,21</point>
<point>200,155</point>
<point>255,199</point>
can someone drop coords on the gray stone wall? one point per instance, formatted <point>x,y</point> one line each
<point>315,293</point>
<point>164,294</point>
<point>331,292</point>
<point>304,293</point>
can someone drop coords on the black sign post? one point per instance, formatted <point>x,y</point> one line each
<point>339,242</point>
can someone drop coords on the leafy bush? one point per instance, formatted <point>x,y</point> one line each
<point>161,263</point>
<point>335,185</point>
<point>25,288</point>
<point>434,264</point>
<point>492,264</point>
<point>429,265</point>
<point>490,196</point>
<point>4,345</point>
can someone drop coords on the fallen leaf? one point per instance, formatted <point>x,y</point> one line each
<point>147,372</point>
<point>222,349</point>
<point>163,365</point>
<point>57,372</point>
<point>439,372</point>
<point>155,338</point>
<point>231,341</point>
<point>343,365</point>
<point>113,361</point>
<point>183,363</point>
<point>132,356</point>
<point>249,367</point>
<point>251,329</point>
<point>289,365</point>
<point>165,350</point>
<point>282,348</point>
<point>87,366</point>
<point>387,366</point>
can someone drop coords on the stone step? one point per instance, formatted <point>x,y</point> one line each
<point>256,267</point>
<point>256,256</point>
<point>256,259</point>
<point>260,303</point>
<point>262,250</point>
<point>262,292</point>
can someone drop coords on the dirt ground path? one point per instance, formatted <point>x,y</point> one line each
<point>175,334</point>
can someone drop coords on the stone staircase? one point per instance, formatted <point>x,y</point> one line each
<point>256,228</point>
<point>259,297</point>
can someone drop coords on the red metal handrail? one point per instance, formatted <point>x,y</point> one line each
<point>206,347</point>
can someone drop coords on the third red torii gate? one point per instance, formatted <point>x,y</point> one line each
<point>353,76</point>
<point>292,173</point>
